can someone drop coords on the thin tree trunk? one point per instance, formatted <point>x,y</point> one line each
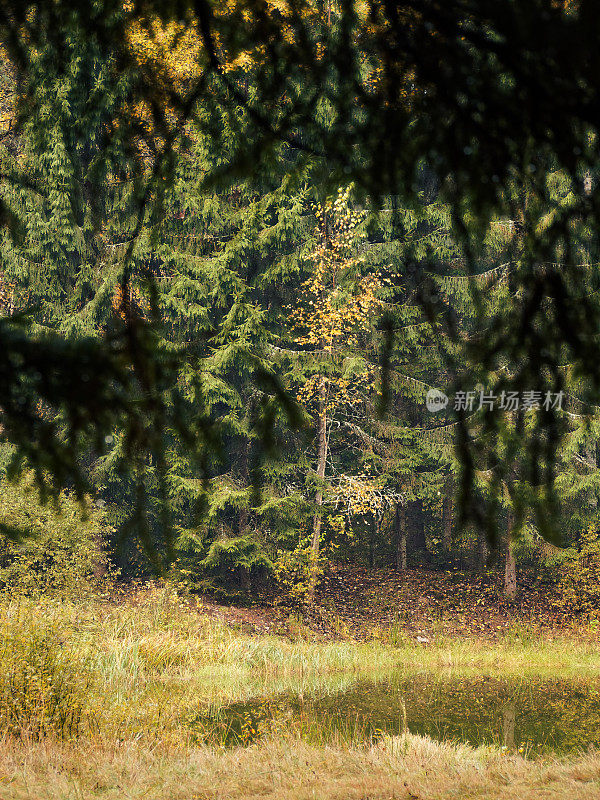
<point>400,525</point>
<point>321,463</point>
<point>242,520</point>
<point>243,512</point>
<point>244,579</point>
<point>482,551</point>
<point>373,534</point>
<point>418,540</point>
<point>447,532</point>
<point>510,571</point>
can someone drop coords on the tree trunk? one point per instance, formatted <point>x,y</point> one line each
<point>447,532</point>
<point>510,571</point>
<point>243,512</point>
<point>400,525</point>
<point>244,579</point>
<point>482,551</point>
<point>321,463</point>
<point>242,521</point>
<point>417,538</point>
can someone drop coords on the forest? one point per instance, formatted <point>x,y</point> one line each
<point>299,399</point>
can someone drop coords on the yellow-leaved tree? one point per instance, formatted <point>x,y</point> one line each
<point>337,305</point>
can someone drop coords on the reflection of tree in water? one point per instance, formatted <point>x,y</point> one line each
<point>553,715</point>
<point>509,716</point>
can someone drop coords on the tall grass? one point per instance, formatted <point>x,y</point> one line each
<point>43,689</point>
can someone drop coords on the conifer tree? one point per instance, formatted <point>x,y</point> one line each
<point>232,262</point>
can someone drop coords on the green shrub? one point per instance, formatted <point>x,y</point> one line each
<point>48,550</point>
<point>579,581</point>
<point>293,574</point>
<point>42,691</point>
<point>233,568</point>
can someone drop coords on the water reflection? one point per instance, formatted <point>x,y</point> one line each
<point>509,717</point>
<point>534,716</point>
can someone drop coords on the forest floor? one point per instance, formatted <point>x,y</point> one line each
<point>359,603</point>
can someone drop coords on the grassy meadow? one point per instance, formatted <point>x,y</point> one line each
<point>106,699</point>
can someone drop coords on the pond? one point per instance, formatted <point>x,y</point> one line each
<point>532,716</point>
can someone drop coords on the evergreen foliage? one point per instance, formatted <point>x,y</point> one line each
<point>241,243</point>
<point>63,553</point>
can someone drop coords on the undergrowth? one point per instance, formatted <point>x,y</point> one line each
<point>44,689</point>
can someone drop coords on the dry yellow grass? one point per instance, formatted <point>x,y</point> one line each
<point>285,769</point>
